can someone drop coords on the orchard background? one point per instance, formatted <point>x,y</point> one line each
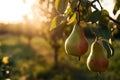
<point>33,48</point>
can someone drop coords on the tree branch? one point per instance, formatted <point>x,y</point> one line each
<point>115,21</point>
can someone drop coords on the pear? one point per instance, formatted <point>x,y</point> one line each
<point>97,60</point>
<point>76,44</point>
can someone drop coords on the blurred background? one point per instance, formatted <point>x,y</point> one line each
<point>29,51</point>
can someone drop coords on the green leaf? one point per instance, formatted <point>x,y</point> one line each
<point>61,5</point>
<point>88,12</point>
<point>104,12</point>
<point>109,48</point>
<point>102,31</point>
<point>72,19</point>
<point>104,17</point>
<point>116,6</point>
<point>118,18</point>
<point>74,4</point>
<point>94,16</point>
<point>58,20</point>
<point>69,12</point>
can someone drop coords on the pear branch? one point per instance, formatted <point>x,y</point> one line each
<point>91,4</point>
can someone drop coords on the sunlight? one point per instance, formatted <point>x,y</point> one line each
<point>108,5</point>
<point>18,11</point>
<point>13,11</point>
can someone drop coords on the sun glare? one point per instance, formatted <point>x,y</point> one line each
<point>108,5</point>
<point>13,11</point>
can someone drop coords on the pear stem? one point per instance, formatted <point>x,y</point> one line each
<point>79,58</point>
<point>96,39</point>
<point>99,76</point>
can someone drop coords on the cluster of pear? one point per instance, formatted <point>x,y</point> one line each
<point>77,45</point>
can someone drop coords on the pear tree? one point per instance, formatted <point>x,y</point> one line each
<point>103,26</point>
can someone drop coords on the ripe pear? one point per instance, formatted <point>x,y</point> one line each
<point>97,60</point>
<point>76,44</point>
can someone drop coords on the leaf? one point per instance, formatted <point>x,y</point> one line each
<point>104,12</point>
<point>57,33</point>
<point>61,5</point>
<point>102,31</point>
<point>118,18</point>
<point>72,19</point>
<point>74,4</point>
<point>87,12</point>
<point>94,16</point>
<point>109,48</point>
<point>104,17</point>
<point>69,12</point>
<point>116,6</point>
<point>58,20</point>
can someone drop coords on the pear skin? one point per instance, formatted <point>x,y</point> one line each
<point>97,60</point>
<point>76,44</point>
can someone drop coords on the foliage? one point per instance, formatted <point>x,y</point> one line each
<point>6,67</point>
<point>29,65</point>
<point>117,6</point>
<point>78,11</point>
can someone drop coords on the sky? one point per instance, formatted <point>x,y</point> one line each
<point>109,5</point>
<point>15,10</point>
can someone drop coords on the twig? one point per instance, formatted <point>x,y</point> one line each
<point>100,4</point>
<point>115,21</point>
<point>98,76</point>
<point>78,12</point>
<point>79,58</point>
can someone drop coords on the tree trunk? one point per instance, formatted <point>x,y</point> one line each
<point>29,41</point>
<point>56,56</point>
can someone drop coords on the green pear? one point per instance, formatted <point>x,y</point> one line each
<point>97,60</point>
<point>76,44</point>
